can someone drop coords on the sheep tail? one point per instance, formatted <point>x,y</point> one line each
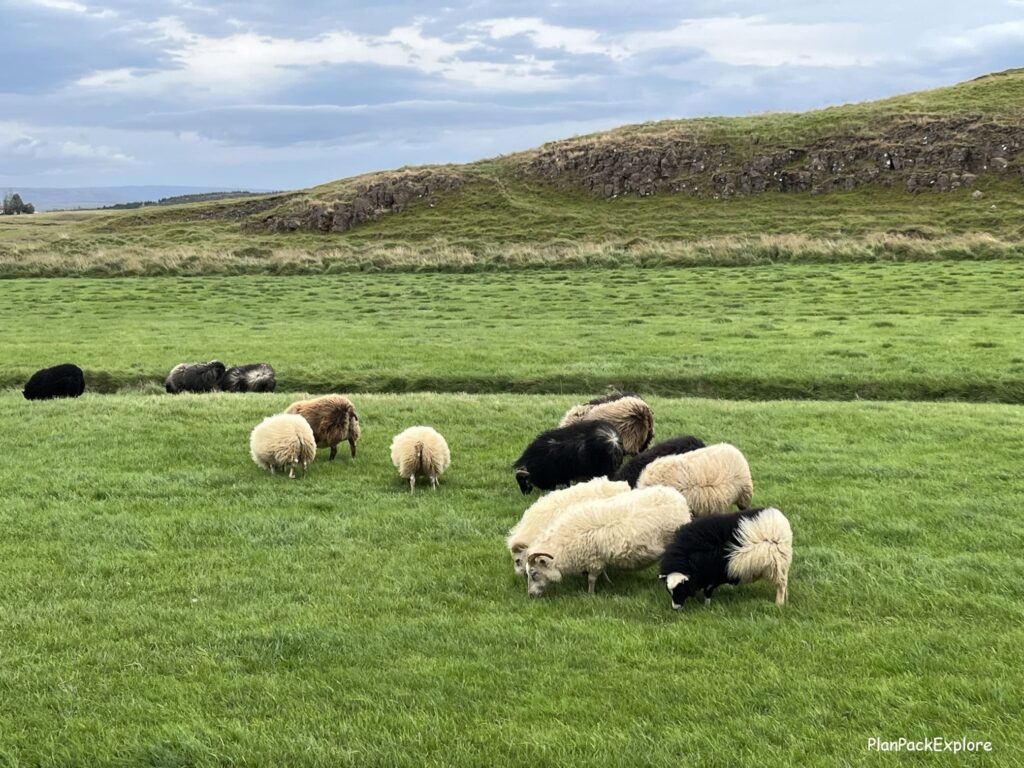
<point>764,548</point>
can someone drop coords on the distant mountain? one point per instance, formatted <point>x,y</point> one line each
<point>50,198</point>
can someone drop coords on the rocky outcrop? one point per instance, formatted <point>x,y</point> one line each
<point>918,154</point>
<point>368,200</point>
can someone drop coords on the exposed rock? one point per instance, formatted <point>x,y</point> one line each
<point>977,194</point>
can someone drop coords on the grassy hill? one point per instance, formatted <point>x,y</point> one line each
<point>936,174</point>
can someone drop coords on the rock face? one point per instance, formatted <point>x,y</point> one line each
<point>920,154</point>
<point>368,201</point>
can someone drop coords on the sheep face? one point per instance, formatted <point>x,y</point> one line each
<point>540,572</point>
<point>518,557</point>
<point>679,586</point>
<point>523,478</point>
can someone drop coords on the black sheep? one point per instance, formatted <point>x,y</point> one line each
<point>683,444</point>
<point>560,456</point>
<point>256,377</point>
<point>194,377</point>
<point>65,380</point>
<point>728,549</point>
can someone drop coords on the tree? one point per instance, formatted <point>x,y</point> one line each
<point>29,208</point>
<point>17,206</point>
<point>13,205</point>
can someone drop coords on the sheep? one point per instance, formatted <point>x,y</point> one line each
<point>333,419</point>
<point>544,511</point>
<point>629,414</point>
<point>677,445</point>
<point>630,530</point>
<point>65,380</point>
<point>255,377</point>
<point>420,451</point>
<point>194,377</point>
<point>712,479</point>
<point>284,440</point>
<point>728,549</point>
<point>560,456</point>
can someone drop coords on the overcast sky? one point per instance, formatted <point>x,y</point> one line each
<point>276,95</point>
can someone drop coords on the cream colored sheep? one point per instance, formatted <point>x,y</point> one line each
<point>543,512</point>
<point>420,451</point>
<point>712,479</point>
<point>280,441</point>
<point>631,416</point>
<point>629,531</point>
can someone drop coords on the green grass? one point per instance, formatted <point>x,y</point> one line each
<point>885,331</point>
<point>166,603</point>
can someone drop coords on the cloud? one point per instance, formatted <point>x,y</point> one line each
<point>71,6</point>
<point>241,65</point>
<point>25,147</point>
<point>980,39</point>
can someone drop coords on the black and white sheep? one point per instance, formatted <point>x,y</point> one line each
<point>563,455</point>
<point>194,377</point>
<point>626,411</point>
<point>630,472</point>
<point>728,549</point>
<point>65,380</point>
<point>255,377</point>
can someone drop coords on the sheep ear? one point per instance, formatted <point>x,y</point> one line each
<point>518,548</point>
<point>662,576</point>
<point>675,579</point>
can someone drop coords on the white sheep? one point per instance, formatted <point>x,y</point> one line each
<point>420,451</point>
<point>712,479</point>
<point>280,441</point>
<point>544,511</point>
<point>628,413</point>
<point>628,531</point>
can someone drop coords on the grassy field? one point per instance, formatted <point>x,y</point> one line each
<point>895,331</point>
<point>165,603</point>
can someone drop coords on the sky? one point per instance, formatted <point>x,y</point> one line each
<point>275,95</point>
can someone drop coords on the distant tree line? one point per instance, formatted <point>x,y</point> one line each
<point>204,197</point>
<point>14,205</point>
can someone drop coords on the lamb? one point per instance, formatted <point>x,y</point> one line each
<point>544,511</point>
<point>194,377</point>
<point>333,419</point>
<point>630,415</point>
<point>284,440</point>
<point>254,377</point>
<point>630,530</point>
<point>65,380</point>
<point>728,549</point>
<point>560,456</point>
<point>712,479</point>
<point>420,451</point>
<point>677,445</point>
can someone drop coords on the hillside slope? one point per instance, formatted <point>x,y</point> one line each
<point>940,140</point>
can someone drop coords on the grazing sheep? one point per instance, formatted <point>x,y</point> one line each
<point>561,456</point>
<point>630,415</point>
<point>194,377</point>
<point>284,440</point>
<point>420,451</point>
<point>255,377</point>
<point>684,444</point>
<point>628,531</point>
<point>544,511</point>
<point>65,380</point>
<point>712,479</point>
<point>728,549</point>
<point>333,419</point>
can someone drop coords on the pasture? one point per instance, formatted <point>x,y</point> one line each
<point>911,331</point>
<point>166,603</point>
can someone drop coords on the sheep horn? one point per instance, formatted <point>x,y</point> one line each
<point>532,558</point>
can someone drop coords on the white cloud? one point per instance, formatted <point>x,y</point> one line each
<point>22,142</point>
<point>980,39</point>
<point>753,41</point>
<point>71,6</point>
<point>245,64</point>
<point>574,40</point>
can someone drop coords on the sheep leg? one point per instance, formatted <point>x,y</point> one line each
<point>592,582</point>
<point>334,452</point>
<point>606,576</point>
<point>780,591</point>
<point>707,595</point>
<point>352,445</point>
<point>433,482</point>
<point>412,483</point>
<point>291,472</point>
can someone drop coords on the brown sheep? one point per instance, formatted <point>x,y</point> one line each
<point>333,419</point>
